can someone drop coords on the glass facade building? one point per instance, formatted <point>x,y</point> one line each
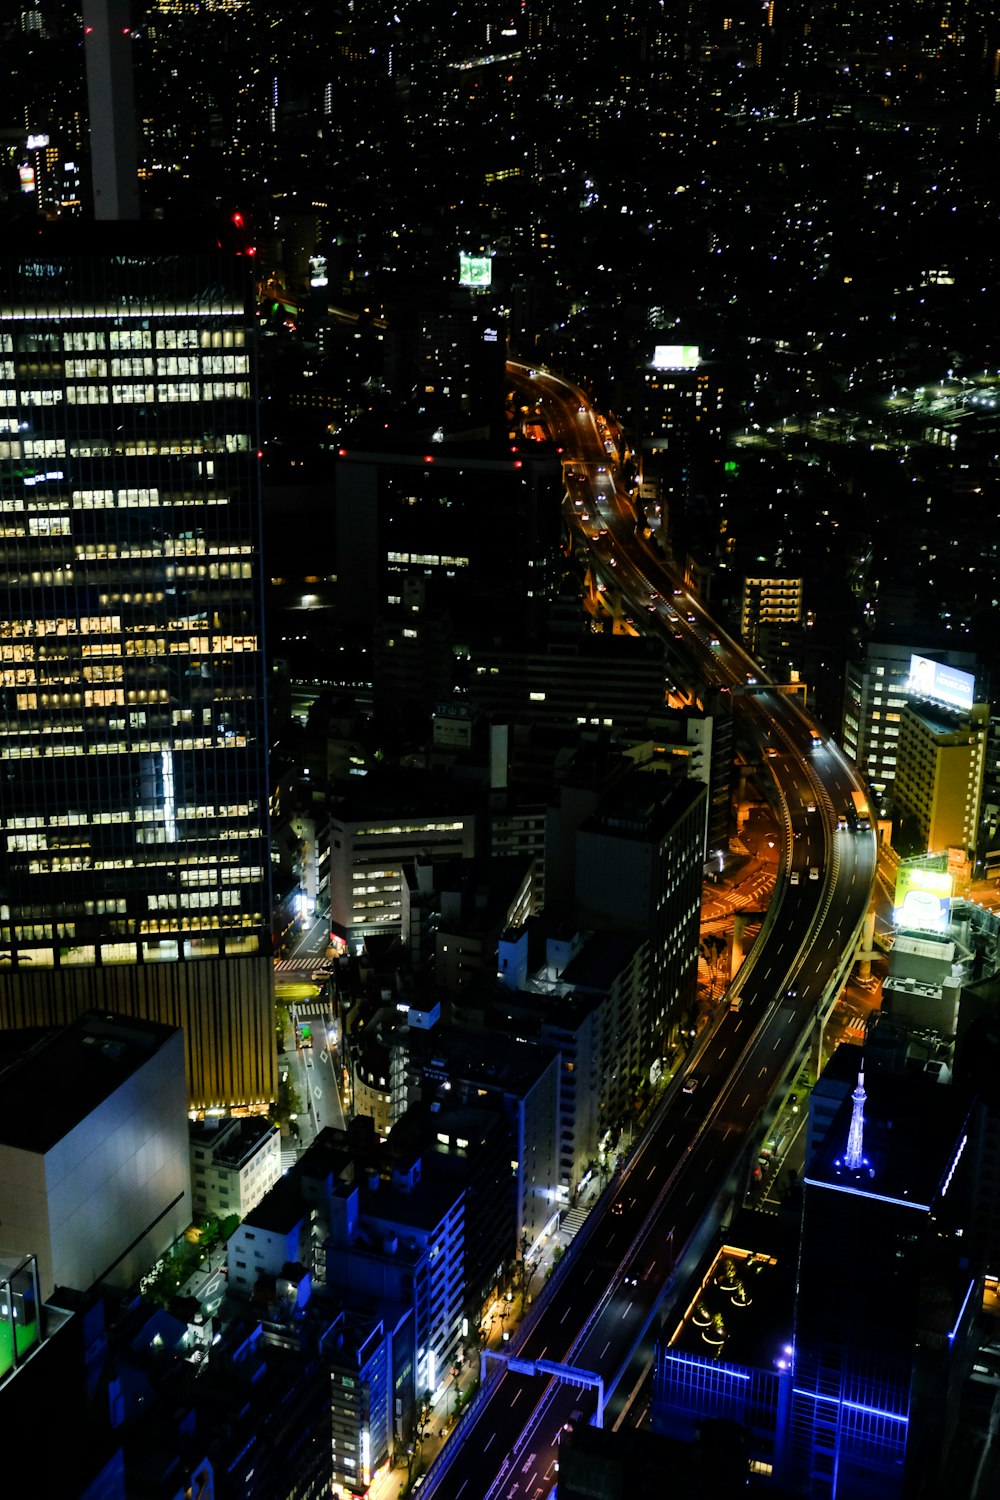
<point>133,838</point>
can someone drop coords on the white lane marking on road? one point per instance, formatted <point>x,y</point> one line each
<point>564,1316</point>
<point>606,1348</point>
<point>490,1439</point>
<point>651,1171</point>
<point>746,1101</point>
<point>515,1396</point>
<point>762,1071</point>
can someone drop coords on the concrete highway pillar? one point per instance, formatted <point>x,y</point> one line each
<point>866,944</point>
<point>736,954</point>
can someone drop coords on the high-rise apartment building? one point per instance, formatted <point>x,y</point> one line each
<point>768,601</point>
<point>133,846</point>
<point>939,775</point>
<point>875,693</point>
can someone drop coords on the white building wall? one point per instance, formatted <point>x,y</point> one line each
<point>120,1179</point>
<point>253,1251</point>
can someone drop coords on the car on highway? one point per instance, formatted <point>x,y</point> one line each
<point>736,1003</point>
<point>618,1208</point>
<point>813,873</point>
<point>794,877</point>
<point>810,807</point>
<point>691,1084</point>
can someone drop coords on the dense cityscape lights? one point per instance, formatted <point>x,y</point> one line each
<point>499,778</point>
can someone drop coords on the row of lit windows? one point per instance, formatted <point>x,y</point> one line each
<point>193,900</point>
<point>223,442</point>
<point>123,499</point>
<point>153,645</point>
<point>203,645</point>
<point>212,874</point>
<point>33,447</point>
<point>127,338</point>
<point>58,750</point>
<point>122,394</point>
<point>427,559</point>
<point>164,364</point>
<point>126,953</point>
<point>139,814</point>
<point>360,833</point>
<point>85,340</point>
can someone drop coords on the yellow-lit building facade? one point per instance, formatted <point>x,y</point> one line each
<point>134,870</point>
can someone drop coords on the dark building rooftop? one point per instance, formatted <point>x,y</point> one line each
<point>69,1072</point>
<point>911,1130</point>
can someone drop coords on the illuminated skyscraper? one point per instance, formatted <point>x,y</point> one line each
<point>133,852</point>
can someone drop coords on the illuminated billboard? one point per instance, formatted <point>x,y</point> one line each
<point>930,679</point>
<point>474,270</point>
<point>923,898</point>
<point>676,357</point>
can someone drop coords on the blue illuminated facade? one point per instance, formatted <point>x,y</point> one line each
<point>884,1303</point>
<point>690,1390</point>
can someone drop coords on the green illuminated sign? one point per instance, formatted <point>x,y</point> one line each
<point>474,270</point>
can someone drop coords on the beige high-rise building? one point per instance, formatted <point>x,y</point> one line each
<point>939,772</point>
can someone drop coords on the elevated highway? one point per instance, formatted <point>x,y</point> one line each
<point>601,1310</point>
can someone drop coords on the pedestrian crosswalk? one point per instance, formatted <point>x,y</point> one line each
<point>572,1221</point>
<point>299,966</point>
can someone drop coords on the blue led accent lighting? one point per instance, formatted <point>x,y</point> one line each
<point>705,1364</point>
<point>961,1314</point>
<point>840,1187</point>
<point>872,1411</point>
<point>951,1169</point>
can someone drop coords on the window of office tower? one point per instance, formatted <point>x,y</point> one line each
<point>131,681</point>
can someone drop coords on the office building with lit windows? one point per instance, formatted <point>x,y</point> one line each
<point>133,848</point>
<point>875,693</point>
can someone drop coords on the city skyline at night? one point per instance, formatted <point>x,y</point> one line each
<point>498,635</point>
